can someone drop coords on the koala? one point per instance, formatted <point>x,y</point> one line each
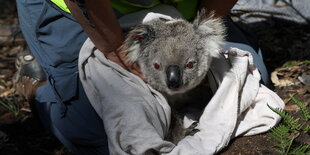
<point>174,56</point>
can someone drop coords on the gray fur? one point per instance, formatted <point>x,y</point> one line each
<point>175,43</point>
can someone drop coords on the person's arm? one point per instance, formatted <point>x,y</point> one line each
<point>104,30</point>
<point>221,8</point>
<point>106,33</point>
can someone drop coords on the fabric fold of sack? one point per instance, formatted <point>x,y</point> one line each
<point>137,117</point>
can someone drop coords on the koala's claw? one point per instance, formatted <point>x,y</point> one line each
<point>194,131</point>
<point>194,124</point>
<point>191,130</point>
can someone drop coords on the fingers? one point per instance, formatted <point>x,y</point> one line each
<point>135,69</point>
<point>120,57</point>
<point>131,67</point>
<point>115,58</point>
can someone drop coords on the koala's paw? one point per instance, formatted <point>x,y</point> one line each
<point>191,130</point>
<point>178,132</point>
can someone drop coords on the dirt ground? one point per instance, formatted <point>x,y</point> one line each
<point>281,41</point>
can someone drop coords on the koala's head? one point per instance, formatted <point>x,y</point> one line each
<point>175,55</point>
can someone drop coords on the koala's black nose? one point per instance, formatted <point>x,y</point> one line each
<point>173,77</point>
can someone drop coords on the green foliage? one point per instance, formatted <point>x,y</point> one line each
<point>295,63</point>
<point>289,120</point>
<point>280,134</point>
<point>303,108</point>
<point>10,104</point>
<point>301,149</point>
<point>8,100</point>
<point>290,128</point>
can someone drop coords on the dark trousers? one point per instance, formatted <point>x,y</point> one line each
<point>63,107</point>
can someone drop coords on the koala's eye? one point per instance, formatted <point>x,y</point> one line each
<point>157,66</point>
<point>190,65</point>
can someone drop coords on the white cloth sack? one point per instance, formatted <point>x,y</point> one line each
<point>137,117</point>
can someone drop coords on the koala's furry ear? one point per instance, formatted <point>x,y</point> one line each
<point>137,40</point>
<point>206,24</point>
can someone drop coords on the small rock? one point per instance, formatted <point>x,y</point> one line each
<point>305,79</point>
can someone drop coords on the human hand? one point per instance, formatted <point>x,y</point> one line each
<point>106,33</point>
<point>120,57</point>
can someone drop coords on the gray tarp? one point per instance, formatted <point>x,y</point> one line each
<point>259,10</point>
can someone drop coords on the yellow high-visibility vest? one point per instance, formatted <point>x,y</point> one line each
<point>188,8</point>
<point>62,5</point>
